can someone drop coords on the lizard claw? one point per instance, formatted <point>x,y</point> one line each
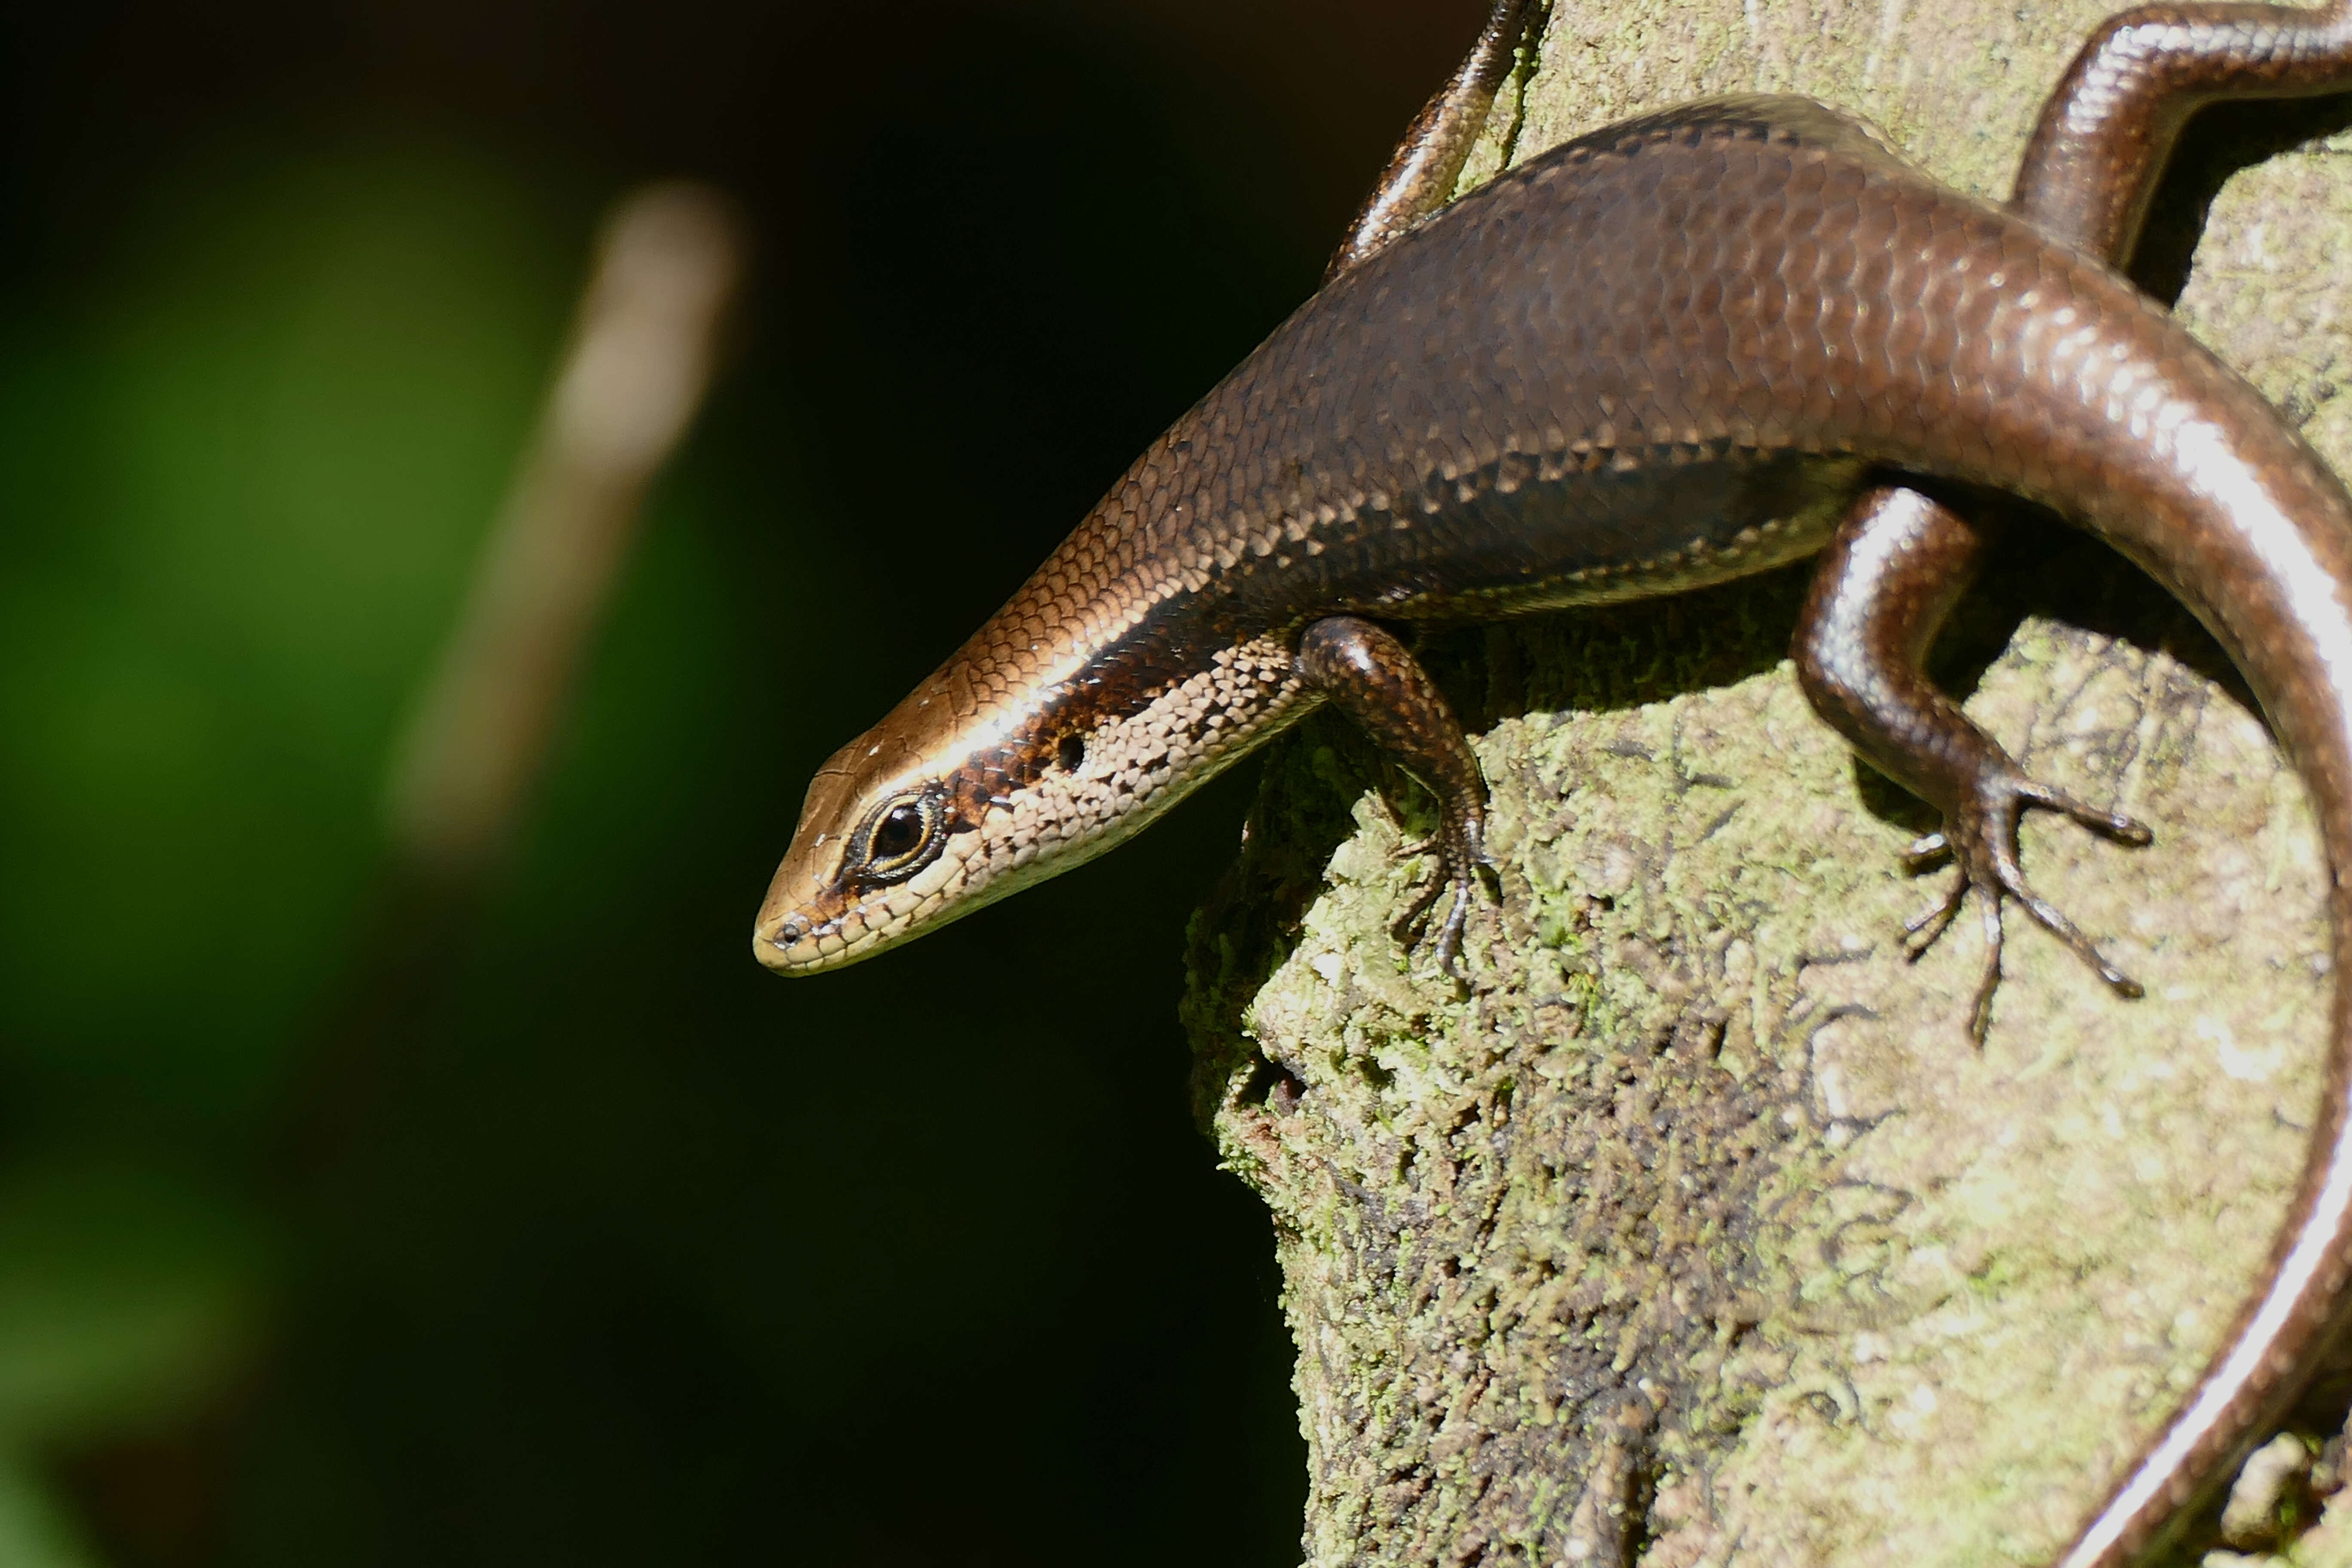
<point>1980,837</point>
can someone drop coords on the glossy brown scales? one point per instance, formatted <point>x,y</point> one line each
<point>1645,350</point>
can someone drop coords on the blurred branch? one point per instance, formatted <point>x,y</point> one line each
<point>639,362</point>
<point>635,372</point>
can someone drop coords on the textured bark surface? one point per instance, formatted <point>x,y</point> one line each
<point>1697,1231</point>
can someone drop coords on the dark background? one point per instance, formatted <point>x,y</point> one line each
<point>600,1245</point>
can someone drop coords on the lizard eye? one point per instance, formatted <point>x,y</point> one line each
<point>901,838</point>
<point>900,832</point>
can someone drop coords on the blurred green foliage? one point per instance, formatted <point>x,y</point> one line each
<point>625,1250</point>
<point>249,464</point>
<point>249,468</point>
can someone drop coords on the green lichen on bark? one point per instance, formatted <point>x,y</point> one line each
<point>1696,1230</point>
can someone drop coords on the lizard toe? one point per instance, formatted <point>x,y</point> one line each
<point>1981,838</point>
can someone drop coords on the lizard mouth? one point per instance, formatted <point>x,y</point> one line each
<point>796,935</point>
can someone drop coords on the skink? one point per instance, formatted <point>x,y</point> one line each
<point>1679,350</point>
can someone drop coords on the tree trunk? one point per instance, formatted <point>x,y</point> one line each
<point>1697,1230</point>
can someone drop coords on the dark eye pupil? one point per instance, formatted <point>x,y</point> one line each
<point>900,829</point>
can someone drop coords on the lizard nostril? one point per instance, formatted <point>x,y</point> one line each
<point>790,932</point>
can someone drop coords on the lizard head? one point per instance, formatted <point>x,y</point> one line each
<point>954,801</point>
<point>942,809</point>
<point>880,851</point>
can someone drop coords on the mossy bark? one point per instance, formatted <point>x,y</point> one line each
<point>1696,1230</point>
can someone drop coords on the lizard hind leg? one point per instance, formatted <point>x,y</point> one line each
<point>1422,171</point>
<point>1886,585</point>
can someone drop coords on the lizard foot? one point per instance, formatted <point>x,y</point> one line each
<point>1979,839</point>
<point>1460,864</point>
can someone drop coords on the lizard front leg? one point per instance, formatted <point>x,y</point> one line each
<point>1375,681</point>
<point>1365,670</point>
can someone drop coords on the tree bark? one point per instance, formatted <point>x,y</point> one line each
<point>1696,1230</point>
